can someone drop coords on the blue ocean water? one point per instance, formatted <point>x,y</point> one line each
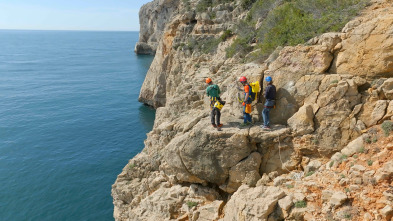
<point>69,121</point>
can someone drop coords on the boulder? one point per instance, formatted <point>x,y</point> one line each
<point>385,172</point>
<point>313,166</point>
<point>252,203</point>
<point>387,212</point>
<point>245,172</point>
<point>302,122</point>
<point>389,111</point>
<point>337,199</point>
<point>387,89</point>
<point>143,48</point>
<point>208,212</point>
<point>354,146</point>
<point>205,155</point>
<point>285,203</point>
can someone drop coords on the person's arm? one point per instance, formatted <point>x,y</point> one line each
<point>247,93</point>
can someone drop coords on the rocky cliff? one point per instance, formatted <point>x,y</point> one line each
<point>313,165</point>
<point>153,17</point>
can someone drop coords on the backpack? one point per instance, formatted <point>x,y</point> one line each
<point>255,88</point>
<point>212,90</point>
<point>219,104</point>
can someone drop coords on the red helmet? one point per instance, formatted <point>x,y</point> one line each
<point>208,80</point>
<point>243,79</point>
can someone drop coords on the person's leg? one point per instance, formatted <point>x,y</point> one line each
<point>264,116</point>
<point>249,120</point>
<point>268,117</point>
<point>218,113</point>
<point>212,116</point>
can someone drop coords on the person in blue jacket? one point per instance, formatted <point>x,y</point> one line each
<point>270,96</point>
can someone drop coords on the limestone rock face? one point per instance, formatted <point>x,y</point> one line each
<point>206,155</point>
<point>252,203</point>
<point>367,46</point>
<point>153,17</point>
<point>245,172</point>
<point>291,65</point>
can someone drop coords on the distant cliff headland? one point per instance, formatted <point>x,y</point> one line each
<point>328,154</point>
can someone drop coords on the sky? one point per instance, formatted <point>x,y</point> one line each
<point>115,15</point>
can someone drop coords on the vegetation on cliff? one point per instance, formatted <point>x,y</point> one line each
<point>272,23</point>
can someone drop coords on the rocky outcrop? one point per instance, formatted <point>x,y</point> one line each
<point>189,171</point>
<point>153,17</point>
<point>366,48</point>
<point>259,203</point>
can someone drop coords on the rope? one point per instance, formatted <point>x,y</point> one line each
<point>279,152</point>
<point>296,176</point>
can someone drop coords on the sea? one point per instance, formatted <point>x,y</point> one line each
<point>69,121</point>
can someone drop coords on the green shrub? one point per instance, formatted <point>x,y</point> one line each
<point>343,157</point>
<point>203,5</point>
<point>310,173</point>
<point>301,204</point>
<point>331,163</point>
<point>246,4</point>
<point>131,166</point>
<point>191,204</point>
<point>208,45</point>
<point>362,150</point>
<point>368,140</point>
<point>187,5</point>
<point>387,127</point>
<point>375,139</point>
<point>227,34</point>
<point>290,186</point>
<point>369,162</point>
<point>240,46</point>
<point>290,22</point>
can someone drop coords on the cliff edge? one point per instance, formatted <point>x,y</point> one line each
<point>153,17</point>
<point>333,94</point>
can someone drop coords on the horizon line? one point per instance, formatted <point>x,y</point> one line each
<point>12,29</point>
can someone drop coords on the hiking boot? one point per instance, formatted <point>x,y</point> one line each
<point>220,125</point>
<point>266,128</point>
<point>214,125</point>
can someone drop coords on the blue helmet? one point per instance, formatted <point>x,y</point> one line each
<point>268,79</point>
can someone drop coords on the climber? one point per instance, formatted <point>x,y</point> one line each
<point>213,91</point>
<point>246,102</point>
<point>270,96</point>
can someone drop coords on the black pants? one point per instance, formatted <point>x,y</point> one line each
<point>215,116</point>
